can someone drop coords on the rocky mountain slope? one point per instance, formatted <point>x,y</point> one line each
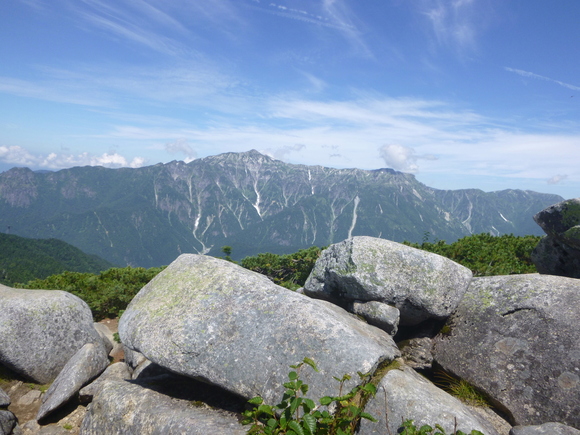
<point>249,201</point>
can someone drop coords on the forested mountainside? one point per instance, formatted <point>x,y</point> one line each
<point>23,259</point>
<point>251,202</point>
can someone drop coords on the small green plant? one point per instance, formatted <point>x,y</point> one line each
<point>299,415</point>
<point>116,337</point>
<point>408,428</point>
<point>67,426</point>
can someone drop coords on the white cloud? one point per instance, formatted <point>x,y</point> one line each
<point>16,155</point>
<point>539,77</point>
<point>281,152</point>
<point>557,179</point>
<point>181,146</point>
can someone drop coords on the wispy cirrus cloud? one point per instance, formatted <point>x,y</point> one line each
<point>532,75</point>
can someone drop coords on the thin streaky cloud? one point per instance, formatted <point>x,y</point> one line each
<point>539,77</point>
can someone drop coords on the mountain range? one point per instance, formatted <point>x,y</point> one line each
<point>250,202</point>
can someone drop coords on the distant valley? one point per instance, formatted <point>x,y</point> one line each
<point>251,202</point>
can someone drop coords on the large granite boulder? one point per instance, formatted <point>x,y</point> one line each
<point>421,285</point>
<point>215,321</point>
<point>7,422</point>
<point>41,330</point>
<point>544,429</point>
<point>125,408</point>
<point>517,338</point>
<point>403,394</point>
<point>559,252</point>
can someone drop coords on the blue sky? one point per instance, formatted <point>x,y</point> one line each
<point>462,93</point>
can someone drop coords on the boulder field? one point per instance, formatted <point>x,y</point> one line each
<point>206,335</point>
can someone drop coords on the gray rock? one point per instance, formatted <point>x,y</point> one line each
<point>553,257</point>
<point>118,371</point>
<point>517,338</point>
<point>215,321</point>
<point>29,398</point>
<point>562,221</point>
<point>378,314</point>
<point>4,398</point>
<point>7,422</point>
<point>404,394</point>
<point>544,429</point>
<point>130,409</point>
<point>106,335</point>
<point>133,358</point>
<point>417,352</point>
<point>85,365</point>
<point>420,284</point>
<point>41,329</point>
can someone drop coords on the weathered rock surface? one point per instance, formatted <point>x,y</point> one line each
<point>545,429</point>
<point>215,321</point>
<point>553,257</point>
<point>378,314</point>
<point>7,422</point>
<point>118,371</point>
<point>420,284</point>
<point>409,395</point>
<point>130,409</point>
<point>417,352</point>
<point>106,335</point>
<point>88,363</point>
<point>559,252</point>
<point>41,329</point>
<point>517,338</point>
<point>4,398</point>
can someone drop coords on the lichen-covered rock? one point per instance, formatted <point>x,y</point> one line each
<point>551,256</point>
<point>215,321</point>
<point>517,338</point>
<point>545,429</point>
<point>562,221</point>
<point>403,394</point>
<point>130,409</point>
<point>420,284</point>
<point>559,252</point>
<point>377,314</point>
<point>85,365</point>
<point>41,330</point>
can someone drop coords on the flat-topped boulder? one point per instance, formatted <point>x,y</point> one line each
<point>41,330</point>
<point>421,285</point>
<point>214,321</point>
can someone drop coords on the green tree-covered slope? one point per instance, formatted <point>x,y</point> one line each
<point>23,259</point>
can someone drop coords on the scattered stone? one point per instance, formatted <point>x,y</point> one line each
<point>517,338</point>
<point>378,314</point>
<point>88,363</point>
<point>30,397</point>
<point>41,329</point>
<point>403,394</point>
<point>213,320</point>
<point>422,285</point>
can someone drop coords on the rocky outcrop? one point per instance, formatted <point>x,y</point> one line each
<point>131,409</point>
<point>421,285</point>
<point>517,338</point>
<point>213,320</point>
<point>41,330</point>
<point>559,252</point>
<point>404,394</point>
